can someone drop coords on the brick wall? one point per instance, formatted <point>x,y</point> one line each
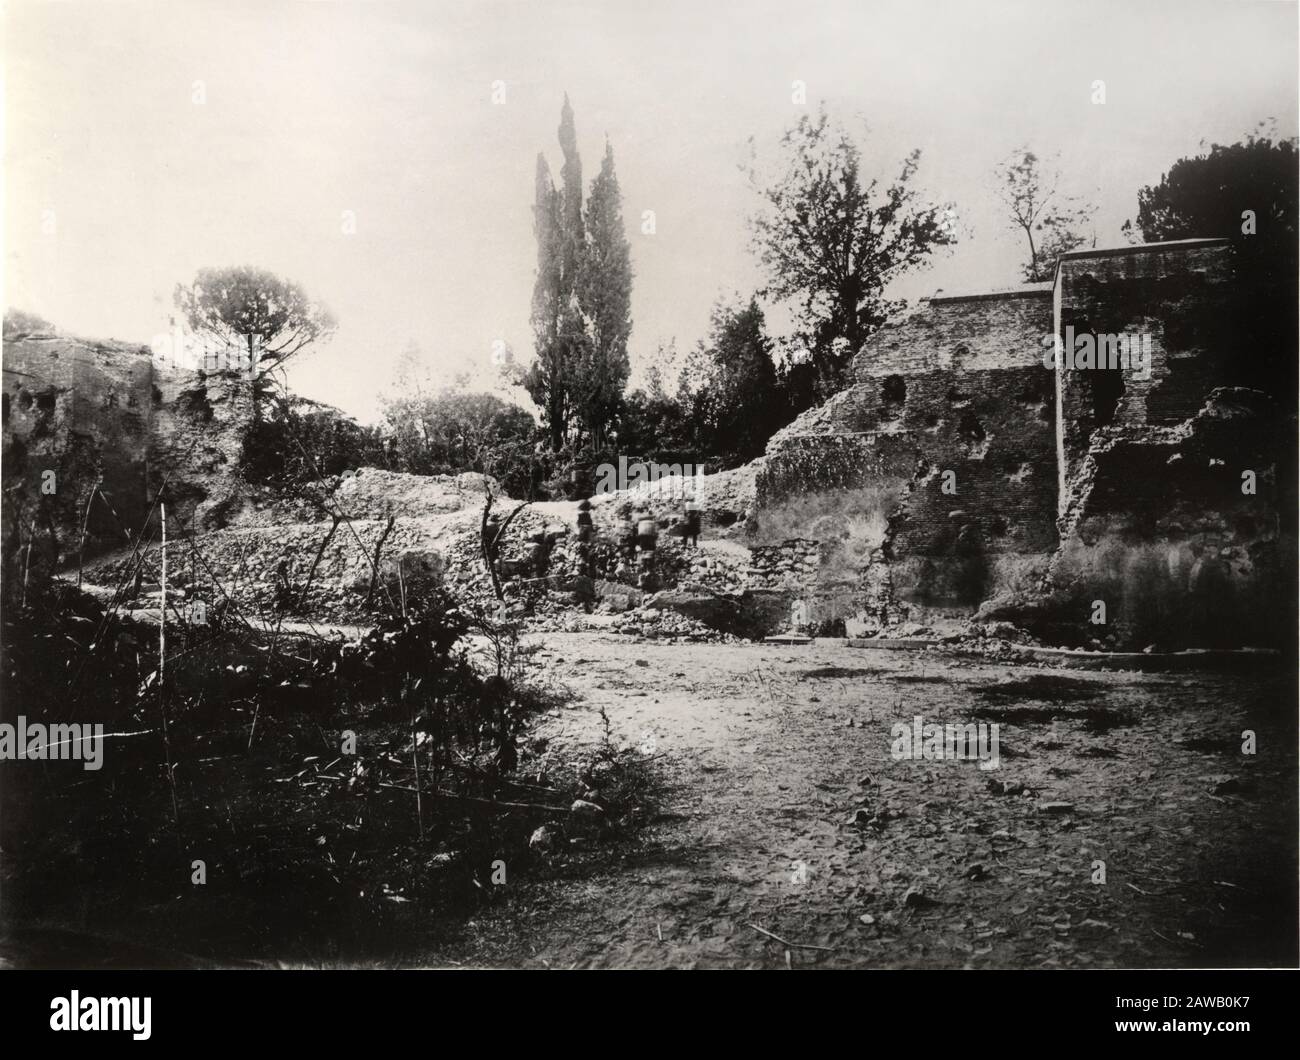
<point>958,386</point>
<point>962,333</point>
<point>1081,484</point>
<point>1159,529</point>
<point>1177,293</point>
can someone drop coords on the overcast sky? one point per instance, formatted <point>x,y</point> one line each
<point>311,109</point>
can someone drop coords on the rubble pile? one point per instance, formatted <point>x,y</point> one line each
<point>313,555</point>
<point>995,641</point>
<point>657,624</point>
<point>264,570</point>
<point>370,490</point>
<point>725,498</point>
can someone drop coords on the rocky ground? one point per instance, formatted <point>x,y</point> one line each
<point>315,556</point>
<point>1123,825</point>
<point>784,811</point>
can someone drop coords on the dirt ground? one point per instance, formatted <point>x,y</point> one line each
<point>768,753</point>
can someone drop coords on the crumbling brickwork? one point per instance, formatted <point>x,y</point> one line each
<point>946,446</point>
<point>984,472</point>
<point>1176,532</point>
<point>105,418</point>
<point>200,421</point>
<point>963,473</point>
<point>83,411</point>
<point>1174,295</point>
<point>783,566</point>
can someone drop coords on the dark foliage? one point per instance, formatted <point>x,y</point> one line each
<point>1207,196</point>
<point>453,431</point>
<point>300,441</point>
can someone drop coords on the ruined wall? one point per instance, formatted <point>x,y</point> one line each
<point>83,410</point>
<point>1175,294</point>
<point>105,413</point>
<point>959,386</point>
<point>834,492</point>
<point>199,425</point>
<point>788,565</point>
<point>1154,521</point>
<point>1072,484</point>
<point>725,500</point>
<point>1163,531</point>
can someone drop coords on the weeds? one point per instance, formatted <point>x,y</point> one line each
<point>376,795</point>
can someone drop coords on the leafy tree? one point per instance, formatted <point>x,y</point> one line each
<point>581,299</point>
<point>1209,195</point>
<point>548,379</point>
<point>832,243</point>
<point>1052,222</point>
<point>605,295</point>
<point>801,384</point>
<point>298,440</point>
<point>652,425</point>
<point>728,399</point>
<point>692,398</point>
<point>741,395</point>
<point>450,430</point>
<point>453,431</point>
<point>265,318</point>
<point>647,424</point>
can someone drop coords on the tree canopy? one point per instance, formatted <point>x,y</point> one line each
<point>832,240</point>
<point>581,314</point>
<point>1052,223</point>
<point>263,317</point>
<point>1249,193</point>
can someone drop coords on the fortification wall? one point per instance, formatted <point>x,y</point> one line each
<point>938,463</point>
<point>961,466</point>
<point>1174,536</point>
<point>1175,297</point>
